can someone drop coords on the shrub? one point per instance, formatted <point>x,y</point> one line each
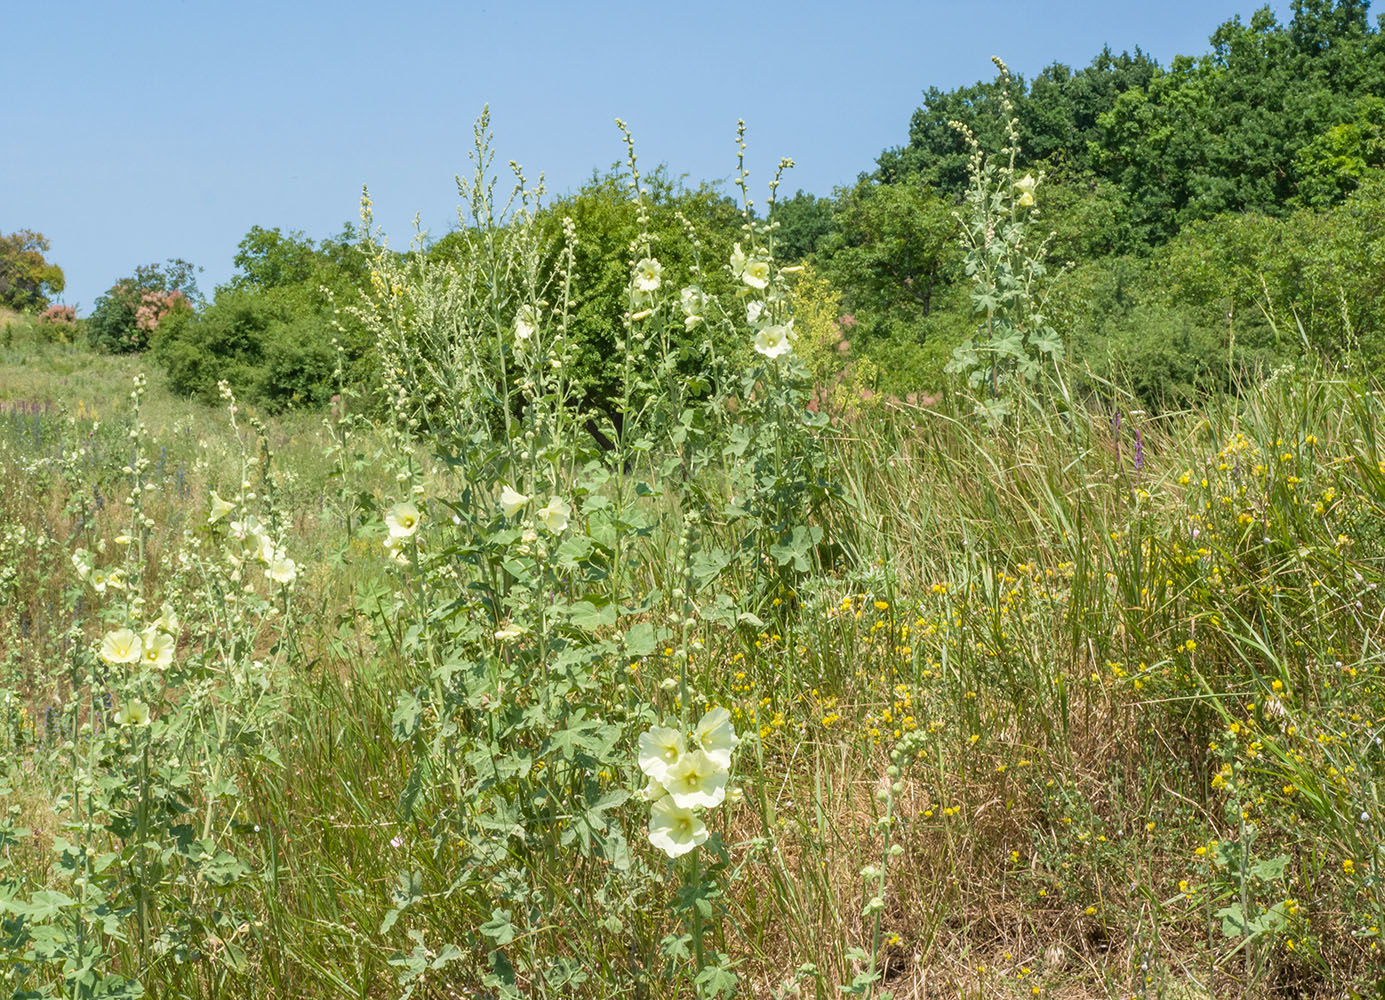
<point>272,352</point>
<point>269,332</point>
<point>59,316</point>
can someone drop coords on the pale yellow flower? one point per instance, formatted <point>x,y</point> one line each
<point>246,530</point>
<point>738,261</point>
<point>507,632</point>
<point>102,580</point>
<point>694,303</point>
<point>773,341</point>
<point>158,649</point>
<point>674,829</point>
<point>121,646</point>
<point>1025,186</point>
<point>266,551</point>
<point>653,790</point>
<point>526,322</point>
<point>555,514</point>
<point>715,736</point>
<point>402,519</point>
<point>696,780</point>
<point>133,713</point>
<point>648,274</point>
<point>660,748</point>
<point>756,273</point>
<point>220,508</point>
<point>168,620</point>
<point>511,500</point>
<point>282,570</point>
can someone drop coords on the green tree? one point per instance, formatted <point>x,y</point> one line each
<point>269,331</point>
<point>894,246</point>
<point>1221,132</point>
<point>1059,119</point>
<point>27,280</point>
<point>266,258</point>
<point>1333,165</point>
<point>125,317</point>
<point>802,223</point>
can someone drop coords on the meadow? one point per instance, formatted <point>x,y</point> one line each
<point>749,684</point>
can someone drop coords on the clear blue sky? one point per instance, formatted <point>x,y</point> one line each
<point>146,130</point>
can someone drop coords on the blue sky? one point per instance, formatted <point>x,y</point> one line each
<point>165,129</point>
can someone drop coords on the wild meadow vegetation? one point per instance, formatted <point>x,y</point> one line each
<point>609,628</point>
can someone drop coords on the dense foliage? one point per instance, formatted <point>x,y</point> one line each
<point>1275,133</point>
<point>1204,221</point>
<point>281,331</point>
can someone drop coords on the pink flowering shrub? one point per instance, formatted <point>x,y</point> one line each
<point>154,306</point>
<point>60,315</point>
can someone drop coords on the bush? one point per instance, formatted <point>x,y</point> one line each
<point>59,316</point>
<point>268,351</point>
<point>269,330</point>
<point>607,222</point>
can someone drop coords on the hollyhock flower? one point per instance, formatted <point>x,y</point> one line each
<point>648,274</point>
<point>133,713</point>
<point>402,520</point>
<point>653,790</point>
<point>660,748</point>
<point>282,570</point>
<point>526,323</point>
<point>158,649</point>
<point>674,829</point>
<point>511,500</point>
<point>756,273</point>
<point>773,341</point>
<point>555,514</point>
<point>696,780</point>
<point>1025,186</point>
<point>121,646</point>
<point>694,303</point>
<point>220,508</point>
<point>715,737</point>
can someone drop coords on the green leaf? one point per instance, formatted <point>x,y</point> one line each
<point>640,640</point>
<point>716,980</point>
<point>1233,923</point>
<point>1271,868</point>
<point>499,928</point>
<point>675,947</point>
<point>585,614</point>
<point>407,714</point>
